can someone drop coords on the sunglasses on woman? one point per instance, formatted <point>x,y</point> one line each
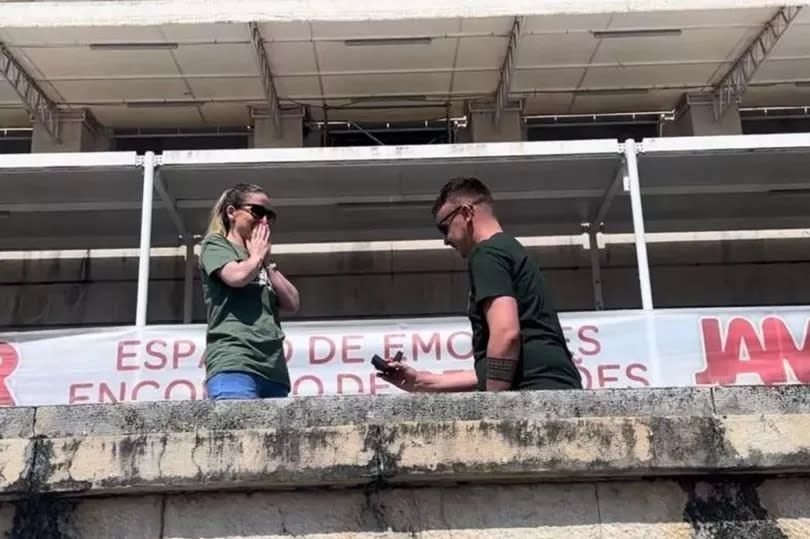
<point>258,211</point>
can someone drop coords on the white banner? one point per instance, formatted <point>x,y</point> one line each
<point>612,349</point>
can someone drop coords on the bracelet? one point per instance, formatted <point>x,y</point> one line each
<point>502,370</point>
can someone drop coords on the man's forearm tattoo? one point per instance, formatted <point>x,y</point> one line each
<point>502,370</point>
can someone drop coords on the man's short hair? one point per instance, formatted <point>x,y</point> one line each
<point>466,187</point>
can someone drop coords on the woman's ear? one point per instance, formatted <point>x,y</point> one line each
<point>229,211</point>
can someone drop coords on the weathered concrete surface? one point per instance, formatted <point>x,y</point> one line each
<point>686,508</point>
<point>16,449</point>
<point>789,499</point>
<point>351,441</point>
<point>528,464</point>
<point>758,400</point>
<point>89,518</point>
<point>359,440</point>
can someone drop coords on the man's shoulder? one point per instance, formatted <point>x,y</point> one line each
<point>501,244</point>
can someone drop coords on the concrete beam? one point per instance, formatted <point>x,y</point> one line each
<point>79,131</point>
<point>696,116</point>
<point>148,12</point>
<point>279,129</point>
<point>488,121</point>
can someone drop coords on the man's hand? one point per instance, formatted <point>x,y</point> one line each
<point>402,375</point>
<point>409,379</point>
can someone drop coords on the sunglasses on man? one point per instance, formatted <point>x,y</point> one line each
<point>258,211</point>
<point>444,224</point>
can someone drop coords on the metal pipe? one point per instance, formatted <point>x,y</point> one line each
<point>188,282</point>
<point>392,130</point>
<point>366,133</point>
<point>449,125</point>
<point>596,270</point>
<point>631,162</point>
<point>146,238</point>
<point>607,200</point>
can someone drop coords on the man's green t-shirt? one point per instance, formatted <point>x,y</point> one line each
<point>244,333</point>
<point>500,266</point>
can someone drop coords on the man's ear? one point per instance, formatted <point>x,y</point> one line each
<point>469,211</point>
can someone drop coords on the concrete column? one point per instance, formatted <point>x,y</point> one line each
<point>289,135</point>
<point>79,131</point>
<point>694,116</point>
<point>482,127</point>
<point>313,138</point>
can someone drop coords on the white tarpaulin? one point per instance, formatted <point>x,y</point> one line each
<point>613,349</point>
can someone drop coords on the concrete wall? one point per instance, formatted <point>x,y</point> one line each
<point>410,283</point>
<point>741,508</point>
<point>691,462</point>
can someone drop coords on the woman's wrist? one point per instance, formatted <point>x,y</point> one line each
<point>256,262</point>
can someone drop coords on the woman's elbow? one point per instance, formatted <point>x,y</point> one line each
<point>233,278</point>
<point>235,282</point>
<point>290,306</point>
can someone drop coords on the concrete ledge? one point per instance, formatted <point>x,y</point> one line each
<point>756,400</point>
<point>407,439</point>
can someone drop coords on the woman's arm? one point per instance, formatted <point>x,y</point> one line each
<point>237,274</point>
<point>288,297</point>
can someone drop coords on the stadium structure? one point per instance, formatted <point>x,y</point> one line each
<point>652,154</point>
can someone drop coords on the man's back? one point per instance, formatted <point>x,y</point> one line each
<point>500,266</point>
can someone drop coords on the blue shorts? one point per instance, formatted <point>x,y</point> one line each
<point>243,385</point>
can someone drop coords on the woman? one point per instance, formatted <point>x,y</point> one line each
<point>244,354</point>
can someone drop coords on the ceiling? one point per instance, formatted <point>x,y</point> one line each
<point>207,75</point>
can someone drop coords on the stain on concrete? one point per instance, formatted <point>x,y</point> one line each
<point>728,510</point>
<point>45,517</point>
<point>678,442</point>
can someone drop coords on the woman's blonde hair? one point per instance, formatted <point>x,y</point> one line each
<point>235,196</point>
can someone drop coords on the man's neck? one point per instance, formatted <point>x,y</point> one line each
<point>485,229</point>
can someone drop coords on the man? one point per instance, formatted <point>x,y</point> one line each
<point>518,343</point>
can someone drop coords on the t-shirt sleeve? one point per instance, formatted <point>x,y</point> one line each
<point>215,254</point>
<point>490,272</point>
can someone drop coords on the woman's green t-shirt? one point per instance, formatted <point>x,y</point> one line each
<point>244,333</point>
